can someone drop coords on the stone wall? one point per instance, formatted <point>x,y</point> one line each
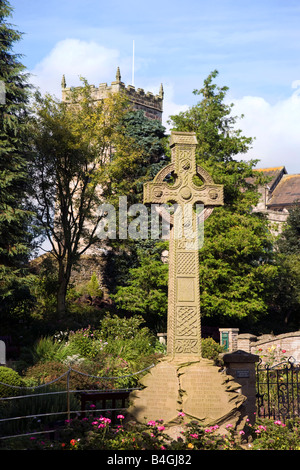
<point>285,345</point>
<point>87,266</point>
<point>82,273</point>
<point>278,347</point>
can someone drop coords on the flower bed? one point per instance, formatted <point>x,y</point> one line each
<point>98,433</point>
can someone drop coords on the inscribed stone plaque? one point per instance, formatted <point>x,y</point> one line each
<point>205,395</point>
<point>159,400</point>
<point>242,373</point>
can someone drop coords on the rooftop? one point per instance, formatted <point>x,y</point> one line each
<point>286,192</point>
<point>274,173</point>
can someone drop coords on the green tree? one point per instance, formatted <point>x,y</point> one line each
<point>289,240</point>
<point>286,301</point>
<point>236,267</point>
<point>80,159</point>
<point>131,260</point>
<point>14,216</point>
<point>219,143</point>
<point>146,291</point>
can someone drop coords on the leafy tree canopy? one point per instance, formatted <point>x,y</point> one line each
<point>236,267</point>
<point>289,240</point>
<point>285,305</point>
<point>85,153</point>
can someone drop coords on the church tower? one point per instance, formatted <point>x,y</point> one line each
<point>151,104</point>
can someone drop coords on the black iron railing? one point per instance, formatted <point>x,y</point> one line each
<point>278,390</point>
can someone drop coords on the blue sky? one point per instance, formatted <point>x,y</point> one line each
<point>254,45</point>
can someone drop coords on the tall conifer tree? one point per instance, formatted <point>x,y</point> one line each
<point>13,112</point>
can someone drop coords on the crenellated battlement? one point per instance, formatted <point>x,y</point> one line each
<point>151,104</point>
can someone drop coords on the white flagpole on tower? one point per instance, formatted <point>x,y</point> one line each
<point>133,63</point>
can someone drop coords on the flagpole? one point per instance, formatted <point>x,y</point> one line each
<point>133,63</point>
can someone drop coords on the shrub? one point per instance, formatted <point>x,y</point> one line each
<point>10,377</point>
<point>122,328</point>
<point>78,380</point>
<point>93,287</point>
<point>48,349</point>
<point>119,348</point>
<point>271,434</point>
<point>86,342</point>
<point>211,349</point>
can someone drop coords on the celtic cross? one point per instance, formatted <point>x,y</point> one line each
<point>184,326</point>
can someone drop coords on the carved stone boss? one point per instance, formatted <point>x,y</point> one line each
<point>184,326</point>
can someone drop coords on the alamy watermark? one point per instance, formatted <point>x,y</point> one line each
<point>155,222</point>
<point>2,92</point>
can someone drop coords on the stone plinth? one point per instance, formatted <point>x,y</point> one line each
<point>196,387</point>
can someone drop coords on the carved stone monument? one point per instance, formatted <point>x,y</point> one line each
<point>184,333</point>
<point>184,381</point>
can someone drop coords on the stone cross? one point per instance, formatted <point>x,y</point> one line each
<point>183,325</point>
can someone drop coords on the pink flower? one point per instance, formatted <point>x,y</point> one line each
<point>92,406</point>
<point>105,420</point>
<point>228,426</point>
<point>181,413</point>
<point>151,423</point>
<point>162,448</point>
<point>120,417</point>
<point>195,436</point>
<point>161,428</point>
<point>242,432</point>
<point>262,427</point>
<point>284,350</point>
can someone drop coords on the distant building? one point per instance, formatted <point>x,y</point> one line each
<point>151,104</point>
<point>278,195</point>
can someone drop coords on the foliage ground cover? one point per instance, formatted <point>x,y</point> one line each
<point>98,433</point>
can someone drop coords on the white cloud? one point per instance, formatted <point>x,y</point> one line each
<point>74,58</point>
<point>170,107</point>
<point>276,128</point>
